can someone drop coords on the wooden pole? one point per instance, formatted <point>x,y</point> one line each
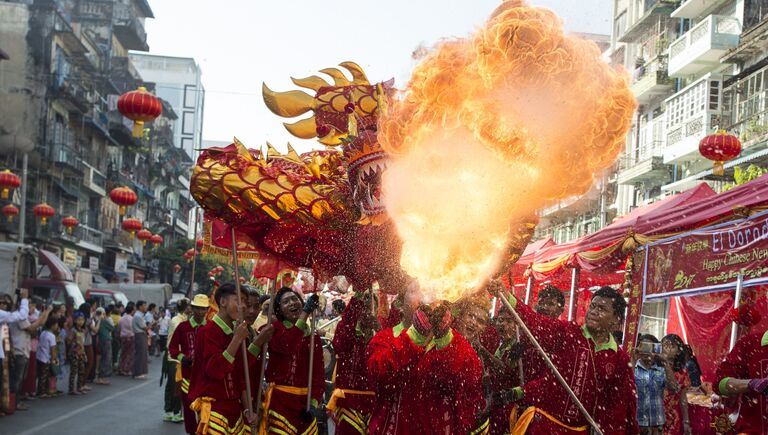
<point>311,361</point>
<point>248,397</point>
<point>194,257</point>
<point>271,285</point>
<point>736,302</point>
<point>551,365</point>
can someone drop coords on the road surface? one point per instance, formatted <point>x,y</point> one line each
<point>127,407</point>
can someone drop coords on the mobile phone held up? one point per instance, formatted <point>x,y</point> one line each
<point>647,347</point>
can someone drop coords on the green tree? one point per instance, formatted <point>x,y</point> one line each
<point>743,176</point>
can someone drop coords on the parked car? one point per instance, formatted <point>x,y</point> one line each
<point>106,297</point>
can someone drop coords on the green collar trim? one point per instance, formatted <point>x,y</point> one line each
<point>222,324</point>
<point>287,324</point>
<point>611,345</point>
<point>195,324</point>
<point>764,341</point>
<point>398,329</point>
<point>442,342</point>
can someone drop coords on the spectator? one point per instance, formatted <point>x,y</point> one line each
<point>140,339</point>
<point>674,352</point>
<point>651,380</point>
<point>162,331</point>
<point>115,313</point>
<point>126,341</point>
<point>47,358</point>
<point>149,319</point>
<point>21,341</point>
<point>694,370</point>
<point>92,324</point>
<point>76,355</point>
<point>8,316</point>
<point>106,329</point>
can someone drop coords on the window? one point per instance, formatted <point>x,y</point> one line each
<point>190,96</point>
<point>653,319</point>
<point>620,24</point>
<point>188,123</point>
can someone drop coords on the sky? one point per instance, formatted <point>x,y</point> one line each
<point>241,43</point>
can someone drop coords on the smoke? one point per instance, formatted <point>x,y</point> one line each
<point>490,129</point>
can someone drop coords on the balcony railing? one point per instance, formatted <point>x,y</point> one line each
<point>651,80</point>
<point>692,114</point>
<point>129,28</point>
<point>694,8</point>
<point>753,128</point>
<point>72,92</point>
<point>64,154</point>
<point>701,48</point>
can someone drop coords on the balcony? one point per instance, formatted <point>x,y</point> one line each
<point>95,10</point>
<point>654,13</point>
<point>651,81</point>
<point>74,96</point>
<point>691,114</point>
<point>94,180</point>
<point>695,8</point>
<point>701,48</point>
<point>129,27</point>
<point>65,156</point>
<point>85,237</point>
<point>651,170</point>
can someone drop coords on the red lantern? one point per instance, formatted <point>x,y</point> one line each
<point>190,254</point>
<point>156,240</point>
<point>144,235</point>
<point>720,147</point>
<point>43,211</point>
<point>124,197</point>
<point>10,211</point>
<point>131,225</point>
<point>199,243</point>
<point>8,182</point>
<point>139,106</point>
<point>70,222</point>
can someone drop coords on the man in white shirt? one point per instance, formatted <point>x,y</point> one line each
<point>7,316</point>
<point>21,340</point>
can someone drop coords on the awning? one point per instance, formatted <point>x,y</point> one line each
<point>687,181</point>
<point>57,270</point>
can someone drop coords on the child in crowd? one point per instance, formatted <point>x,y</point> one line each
<point>46,358</point>
<point>76,354</point>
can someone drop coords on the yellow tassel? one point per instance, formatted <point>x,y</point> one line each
<point>138,128</point>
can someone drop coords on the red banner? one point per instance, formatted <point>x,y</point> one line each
<point>708,260</point>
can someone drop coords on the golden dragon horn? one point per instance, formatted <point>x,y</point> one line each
<point>357,73</point>
<point>287,104</point>
<point>311,82</point>
<point>339,79</point>
<point>304,129</point>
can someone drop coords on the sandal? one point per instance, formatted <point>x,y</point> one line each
<point>75,393</point>
<point>44,396</point>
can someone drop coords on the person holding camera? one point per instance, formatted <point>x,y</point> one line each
<point>653,375</point>
<point>8,316</point>
<point>22,333</point>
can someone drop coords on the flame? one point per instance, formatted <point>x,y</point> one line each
<point>490,129</point>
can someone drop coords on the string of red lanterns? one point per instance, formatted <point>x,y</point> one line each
<point>144,235</point>
<point>70,222</point>
<point>720,147</point>
<point>8,182</point>
<point>10,211</point>
<point>124,197</point>
<point>43,211</point>
<point>139,106</point>
<point>131,225</point>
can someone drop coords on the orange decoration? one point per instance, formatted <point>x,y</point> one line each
<point>8,182</point>
<point>139,106</point>
<point>124,197</point>
<point>43,211</point>
<point>156,240</point>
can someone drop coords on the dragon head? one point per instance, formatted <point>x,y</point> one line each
<point>345,115</point>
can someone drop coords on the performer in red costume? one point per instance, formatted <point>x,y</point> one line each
<point>583,355</point>
<point>182,349</point>
<point>217,387</point>
<point>352,400</point>
<point>744,373</point>
<point>428,379</point>
<point>288,369</point>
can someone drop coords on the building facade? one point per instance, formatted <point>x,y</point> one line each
<point>67,64</point>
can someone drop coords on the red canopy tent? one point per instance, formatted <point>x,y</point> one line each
<point>598,258</point>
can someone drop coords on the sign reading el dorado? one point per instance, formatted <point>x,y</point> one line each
<point>709,259</point>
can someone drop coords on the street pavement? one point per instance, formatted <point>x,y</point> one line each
<point>125,407</point>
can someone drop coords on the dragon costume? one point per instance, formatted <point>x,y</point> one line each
<point>321,209</point>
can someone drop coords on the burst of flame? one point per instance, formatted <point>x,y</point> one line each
<point>490,129</point>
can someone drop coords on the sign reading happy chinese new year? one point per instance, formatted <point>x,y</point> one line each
<point>709,259</point>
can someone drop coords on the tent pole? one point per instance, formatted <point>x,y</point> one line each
<point>572,298</point>
<point>736,301</point>
<point>528,288</point>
